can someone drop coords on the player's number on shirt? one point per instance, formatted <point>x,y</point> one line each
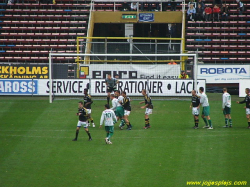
<point>108,115</point>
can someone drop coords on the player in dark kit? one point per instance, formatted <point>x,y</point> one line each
<point>247,107</point>
<point>149,108</point>
<point>83,116</point>
<point>195,102</point>
<point>87,104</point>
<point>111,86</point>
<point>127,110</point>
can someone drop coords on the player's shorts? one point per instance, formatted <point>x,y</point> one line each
<point>247,111</point>
<point>126,112</point>
<point>89,111</point>
<point>120,111</point>
<point>148,111</point>
<point>109,129</point>
<point>111,89</point>
<point>206,111</point>
<point>82,124</point>
<point>195,111</point>
<point>227,110</point>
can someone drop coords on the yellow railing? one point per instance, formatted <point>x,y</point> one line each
<point>89,40</point>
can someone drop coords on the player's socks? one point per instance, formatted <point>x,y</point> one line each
<point>107,135</point>
<point>130,125</point>
<point>88,134</point>
<point>122,122</point>
<point>77,132</point>
<point>210,122</point>
<point>230,122</point>
<point>205,120</point>
<point>146,122</point>
<point>196,122</point>
<point>226,121</point>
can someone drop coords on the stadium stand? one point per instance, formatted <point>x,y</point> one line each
<point>30,30</point>
<point>221,41</point>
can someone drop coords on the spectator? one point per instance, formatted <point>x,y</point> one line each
<point>142,6</point>
<point>240,7</point>
<point>125,6</point>
<point>149,6</point>
<point>134,6</point>
<point>201,3</point>
<point>172,62</point>
<point>217,2</point>
<point>208,12</point>
<point>20,0</point>
<point>216,13</point>
<point>157,6</point>
<point>192,2</point>
<point>183,75</point>
<point>224,12</point>
<point>199,13</point>
<point>173,5</point>
<point>191,12</point>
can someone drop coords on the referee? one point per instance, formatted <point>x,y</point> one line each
<point>111,86</point>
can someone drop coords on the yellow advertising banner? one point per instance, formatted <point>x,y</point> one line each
<point>24,71</point>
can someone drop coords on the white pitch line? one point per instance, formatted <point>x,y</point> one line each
<point>117,137</point>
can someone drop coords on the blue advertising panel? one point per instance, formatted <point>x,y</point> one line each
<point>18,87</point>
<point>146,17</point>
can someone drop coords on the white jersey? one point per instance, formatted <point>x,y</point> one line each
<point>226,100</point>
<point>120,99</point>
<point>108,117</point>
<point>204,99</point>
<point>114,104</point>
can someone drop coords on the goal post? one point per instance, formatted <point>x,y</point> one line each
<point>52,55</point>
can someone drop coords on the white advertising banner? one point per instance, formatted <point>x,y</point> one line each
<point>156,87</point>
<point>243,84</point>
<point>223,73</point>
<point>127,71</point>
<point>75,87</point>
<point>61,87</point>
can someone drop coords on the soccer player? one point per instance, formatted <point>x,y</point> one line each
<point>127,109</point>
<point>120,109</point>
<point>114,102</point>
<point>195,102</point>
<point>149,108</point>
<point>206,109</point>
<point>83,115</point>
<point>87,104</point>
<point>109,118</point>
<point>226,107</point>
<point>247,107</point>
<point>111,86</point>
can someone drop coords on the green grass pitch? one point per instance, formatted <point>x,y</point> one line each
<point>36,148</point>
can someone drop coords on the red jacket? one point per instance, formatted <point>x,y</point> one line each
<point>216,10</point>
<point>208,10</point>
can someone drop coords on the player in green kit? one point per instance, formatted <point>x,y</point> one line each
<point>226,108</point>
<point>195,102</point>
<point>247,107</point>
<point>109,119</point>
<point>206,109</point>
<point>149,108</point>
<point>119,109</point>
